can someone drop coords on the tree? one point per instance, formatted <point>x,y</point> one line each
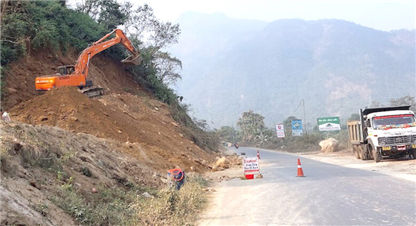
<point>375,104</point>
<point>354,117</point>
<point>108,13</point>
<point>288,126</point>
<point>403,101</point>
<point>252,125</point>
<point>167,67</point>
<point>228,133</point>
<point>142,24</point>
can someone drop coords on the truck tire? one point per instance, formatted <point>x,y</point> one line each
<point>377,155</point>
<point>411,154</point>
<point>356,151</point>
<point>364,152</point>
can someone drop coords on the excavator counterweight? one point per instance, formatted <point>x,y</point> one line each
<point>76,75</point>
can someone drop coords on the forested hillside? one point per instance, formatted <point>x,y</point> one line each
<point>335,66</point>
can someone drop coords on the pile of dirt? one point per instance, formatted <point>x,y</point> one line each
<point>122,117</point>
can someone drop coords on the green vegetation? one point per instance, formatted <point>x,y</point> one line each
<point>252,125</point>
<point>117,206</point>
<point>110,206</point>
<point>171,207</point>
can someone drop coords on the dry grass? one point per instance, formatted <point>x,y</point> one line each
<point>126,207</point>
<point>110,207</point>
<point>171,207</point>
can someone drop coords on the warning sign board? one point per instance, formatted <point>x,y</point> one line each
<point>251,165</point>
<point>280,131</point>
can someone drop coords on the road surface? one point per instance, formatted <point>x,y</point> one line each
<point>328,195</point>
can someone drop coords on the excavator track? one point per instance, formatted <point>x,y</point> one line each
<point>93,92</point>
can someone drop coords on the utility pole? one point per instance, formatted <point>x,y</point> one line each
<point>304,116</point>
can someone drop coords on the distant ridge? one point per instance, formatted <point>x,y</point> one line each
<point>234,65</point>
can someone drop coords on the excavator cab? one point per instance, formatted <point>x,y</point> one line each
<point>66,70</point>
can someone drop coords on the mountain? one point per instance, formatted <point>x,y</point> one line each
<point>335,66</point>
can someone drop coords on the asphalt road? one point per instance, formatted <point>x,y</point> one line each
<point>328,195</point>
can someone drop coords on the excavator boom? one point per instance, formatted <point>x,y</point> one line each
<point>77,75</point>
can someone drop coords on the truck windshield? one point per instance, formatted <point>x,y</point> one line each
<point>394,121</point>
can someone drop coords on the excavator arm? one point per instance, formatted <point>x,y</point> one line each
<point>83,61</point>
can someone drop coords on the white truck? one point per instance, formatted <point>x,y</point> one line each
<point>383,132</point>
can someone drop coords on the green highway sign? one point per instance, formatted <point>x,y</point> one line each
<point>329,124</point>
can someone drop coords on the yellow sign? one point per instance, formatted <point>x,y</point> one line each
<point>413,145</point>
<point>388,148</point>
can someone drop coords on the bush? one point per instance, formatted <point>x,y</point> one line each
<point>172,207</point>
<point>111,206</point>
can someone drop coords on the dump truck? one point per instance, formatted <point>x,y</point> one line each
<point>77,75</point>
<point>383,132</point>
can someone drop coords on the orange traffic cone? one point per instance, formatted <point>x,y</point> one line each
<point>300,171</point>
<point>258,154</point>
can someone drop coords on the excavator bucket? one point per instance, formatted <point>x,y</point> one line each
<point>136,60</point>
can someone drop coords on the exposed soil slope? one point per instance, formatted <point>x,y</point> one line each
<point>20,75</point>
<point>119,138</point>
<point>122,117</point>
<point>118,115</point>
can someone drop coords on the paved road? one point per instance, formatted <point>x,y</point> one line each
<point>328,195</point>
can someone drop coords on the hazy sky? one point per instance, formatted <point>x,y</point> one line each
<point>381,15</point>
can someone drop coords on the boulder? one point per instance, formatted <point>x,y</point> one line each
<point>329,145</point>
<point>223,162</point>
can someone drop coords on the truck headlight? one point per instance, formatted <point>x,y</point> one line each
<point>381,140</point>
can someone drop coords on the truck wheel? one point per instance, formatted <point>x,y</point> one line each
<point>411,154</point>
<point>356,151</point>
<point>377,156</point>
<point>364,152</point>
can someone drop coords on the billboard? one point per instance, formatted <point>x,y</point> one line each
<point>280,131</point>
<point>297,127</point>
<point>329,124</point>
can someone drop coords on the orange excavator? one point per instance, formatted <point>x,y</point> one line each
<point>70,75</point>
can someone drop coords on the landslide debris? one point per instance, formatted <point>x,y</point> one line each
<point>122,117</point>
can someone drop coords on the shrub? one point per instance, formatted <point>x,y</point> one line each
<point>171,207</point>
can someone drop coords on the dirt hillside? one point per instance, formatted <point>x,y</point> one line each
<point>122,117</point>
<point>37,161</point>
<point>61,144</point>
<point>118,115</point>
<point>20,75</point>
